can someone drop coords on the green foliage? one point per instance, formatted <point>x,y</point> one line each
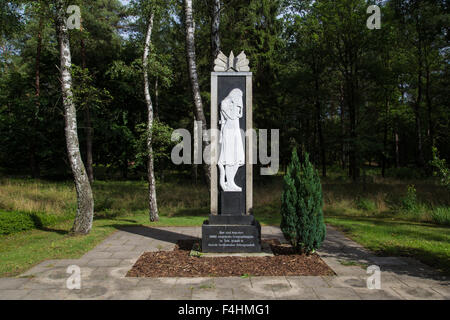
<point>441,216</point>
<point>349,94</point>
<point>86,94</point>
<point>409,202</point>
<point>12,222</point>
<point>161,142</point>
<point>9,18</point>
<point>404,173</point>
<point>289,217</point>
<point>301,206</point>
<point>16,221</point>
<point>365,204</point>
<point>442,171</point>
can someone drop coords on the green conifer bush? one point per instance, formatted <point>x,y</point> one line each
<point>302,220</point>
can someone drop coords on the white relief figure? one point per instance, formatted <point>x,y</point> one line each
<point>232,154</point>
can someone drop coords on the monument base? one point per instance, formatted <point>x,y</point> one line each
<point>231,234</point>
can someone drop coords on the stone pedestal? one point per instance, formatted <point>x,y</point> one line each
<point>231,233</point>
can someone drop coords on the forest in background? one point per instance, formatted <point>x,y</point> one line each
<point>370,106</point>
<point>350,96</point>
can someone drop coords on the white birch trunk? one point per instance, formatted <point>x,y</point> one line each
<point>85,200</point>
<point>153,206</point>
<point>215,26</point>
<point>198,109</point>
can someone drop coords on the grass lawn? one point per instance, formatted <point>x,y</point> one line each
<point>387,237</point>
<point>20,251</point>
<point>368,216</point>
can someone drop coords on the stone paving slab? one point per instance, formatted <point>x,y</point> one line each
<point>194,282</point>
<point>102,273</point>
<point>419,281</point>
<point>128,262</point>
<point>444,290</point>
<point>100,292</point>
<point>12,283</point>
<point>157,283</point>
<point>70,262</point>
<point>212,294</point>
<point>418,293</point>
<point>346,282</point>
<point>104,268</point>
<point>138,294</point>
<point>251,294</point>
<point>126,255</point>
<point>135,294</point>
<point>336,293</point>
<point>98,255</point>
<point>47,294</point>
<point>232,282</point>
<point>385,294</point>
<point>296,293</point>
<point>308,282</point>
<point>41,267</point>
<point>172,294</point>
<point>15,294</point>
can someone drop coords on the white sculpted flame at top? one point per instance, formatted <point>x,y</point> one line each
<point>232,154</point>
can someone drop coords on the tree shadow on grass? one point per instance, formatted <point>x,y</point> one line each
<point>39,225</point>
<point>58,231</point>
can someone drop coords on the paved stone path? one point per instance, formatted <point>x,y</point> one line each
<point>103,272</point>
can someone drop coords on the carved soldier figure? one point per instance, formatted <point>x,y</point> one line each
<point>232,154</point>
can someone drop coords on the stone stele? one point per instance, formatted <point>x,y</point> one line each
<point>231,227</point>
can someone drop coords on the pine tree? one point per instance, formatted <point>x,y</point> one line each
<point>301,206</point>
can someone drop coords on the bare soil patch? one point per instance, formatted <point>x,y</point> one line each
<point>178,263</point>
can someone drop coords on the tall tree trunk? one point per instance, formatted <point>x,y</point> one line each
<point>34,163</point>
<point>153,206</point>
<point>320,131</point>
<point>385,137</point>
<point>342,106</point>
<point>353,165</point>
<point>313,141</point>
<point>85,200</point>
<point>398,153</point>
<point>156,98</point>
<point>198,109</point>
<point>430,131</point>
<point>215,26</point>
<point>89,130</point>
<point>420,158</point>
<point>397,148</point>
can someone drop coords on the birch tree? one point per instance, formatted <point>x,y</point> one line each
<point>215,26</point>
<point>85,200</point>
<point>193,76</point>
<point>34,162</point>
<point>87,116</point>
<point>153,206</point>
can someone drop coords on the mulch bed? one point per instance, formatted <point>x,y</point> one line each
<point>178,263</point>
